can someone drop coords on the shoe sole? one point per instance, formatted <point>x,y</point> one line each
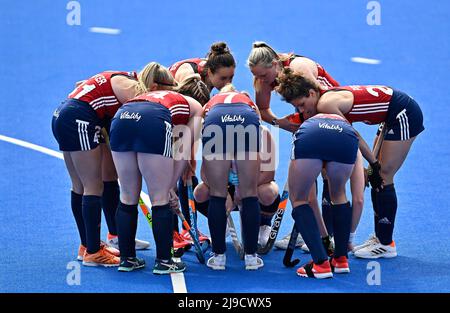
<point>129,269</point>
<point>217,268</point>
<point>156,272</point>
<point>385,255</point>
<point>318,276</point>
<point>341,270</point>
<point>93,264</point>
<point>253,268</point>
<point>79,258</point>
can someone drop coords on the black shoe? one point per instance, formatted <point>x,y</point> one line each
<point>130,264</point>
<point>167,267</point>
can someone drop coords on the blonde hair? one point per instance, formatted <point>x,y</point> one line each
<point>154,73</point>
<point>263,54</point>
<point>194,87</point>
<point>228,88</point>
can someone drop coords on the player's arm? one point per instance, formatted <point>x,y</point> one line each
<point>124,88</point>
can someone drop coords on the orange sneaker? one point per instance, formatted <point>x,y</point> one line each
<point>180,242</point>
<point>81,252</point>
<point>201,237</point>
<point>340,265</point>
<point>109,249</point>
<point>316,271</point>
<point>102,257</point>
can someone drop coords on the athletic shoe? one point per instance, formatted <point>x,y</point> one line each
<point>264,233</point>
<point>113,241</point>
<point>377,250</point>
<point>81,252</point>
<point>217,261</point>
<point>201,237</point>
<point>315,270</point>
<point>372,238</point>
<point>283,243</point>
<point>340,265</point>
<point>180,242</point>
<point>167,267</point>
<point>110,249</point>
<point>102,257</point>
<point>253,262</point>
<point>304,248</point>
<point>130,264</point>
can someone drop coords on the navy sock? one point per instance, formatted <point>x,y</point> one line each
<point>202,207</point>
<point>373,195</point>
<point>327,211</point>
<point>250,216</point>
<point>163,231</point>
<point>387,208</point>
<point>127,217</point>
<point>92,216</point>
<point>306,225</point>
<point>175,223</point>
<point>110,202</point>
<point>342,223</point>
<point>269,210</point>
<point>217,222</point>
<point>76,201</point>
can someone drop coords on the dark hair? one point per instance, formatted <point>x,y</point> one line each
<point>293,85</point>
<point>193,87</point>
<point>219,56</point>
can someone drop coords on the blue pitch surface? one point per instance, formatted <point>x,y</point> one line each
<point>42,57</point>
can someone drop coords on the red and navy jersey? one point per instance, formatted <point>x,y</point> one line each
<point>229,97</point>
<point>177,104</point>
<point>98,92</point>
<point>197,64</point>
<point>324,79</point>
<point>370,103</point>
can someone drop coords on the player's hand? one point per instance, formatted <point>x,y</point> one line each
<point>287,124</point>
<point>375,179</point>
<point>173,200</point>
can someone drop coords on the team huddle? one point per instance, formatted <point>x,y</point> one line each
<point>124,126</point>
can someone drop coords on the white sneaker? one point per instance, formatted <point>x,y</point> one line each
<point>372,238</point>
<point>304,248</point>
<point>113,241</point>
<point>264,233</point>
<point>253,262</point>
<point>377,250</point>
<point>217,261</point>
<point>283,243</point>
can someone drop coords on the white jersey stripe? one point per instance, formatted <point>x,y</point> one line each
<point>366,112</point>
<point>371,104</point>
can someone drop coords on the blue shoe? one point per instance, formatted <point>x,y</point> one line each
<point>131,264</point>
<point>167,267</point>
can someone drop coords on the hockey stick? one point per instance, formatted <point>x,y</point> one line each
<point>290,250</point>
<point>276,222</point>
<point>175,253</point>
<point>199,251</point>
<point>379,143</point>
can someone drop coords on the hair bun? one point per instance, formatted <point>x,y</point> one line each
<point>219,48</point>
<point>259,44</point>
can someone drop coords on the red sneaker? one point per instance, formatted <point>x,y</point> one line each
<point>340,265</point>
<point>180,242</point>
<point>201,237</point>
<point>316,271</point>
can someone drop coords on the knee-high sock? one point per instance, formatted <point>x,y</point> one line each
<point>77,210</point>
<point>92,215</point>
<point>327,211</point>
<point>163,231</point>
<point>306,225</point>
<point>127,217</point>
<point>373,196</point>
<point>342,223</point>
<point>110,202</point>
<point>250,216</point>
<point>217,222</point>
<point>387,208</point>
